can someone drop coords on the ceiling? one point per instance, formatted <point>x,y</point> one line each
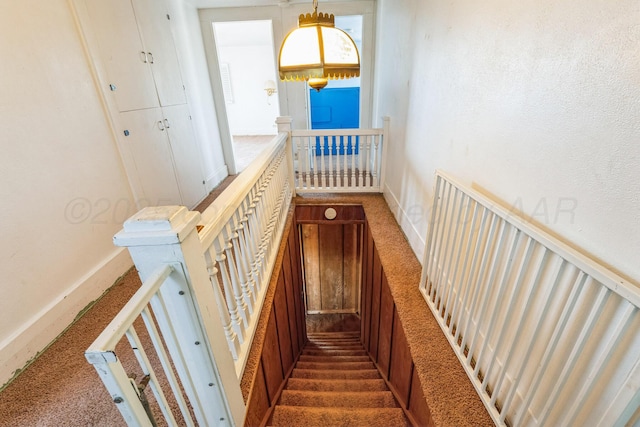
<point>204,4</point>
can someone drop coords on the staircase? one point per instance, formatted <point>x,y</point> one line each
<point>335,383</point>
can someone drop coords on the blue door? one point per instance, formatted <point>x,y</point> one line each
<point>335,108</point>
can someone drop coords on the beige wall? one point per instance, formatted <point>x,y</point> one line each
<point>64,192</point>
<point>537,102</point>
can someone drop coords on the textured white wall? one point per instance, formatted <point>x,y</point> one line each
<point>252,112</point>
<point>536,102</point>
<point>63,189</point>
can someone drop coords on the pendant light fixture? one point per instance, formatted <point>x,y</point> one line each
<point>317,51</point>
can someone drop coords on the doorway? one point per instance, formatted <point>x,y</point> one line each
<point>248,75</point>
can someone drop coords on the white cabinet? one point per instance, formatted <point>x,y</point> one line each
<point>137,49</point>
<point>133,49</point>
<point>163,147</point>
<point>185,153</point>
<point>145,138</point>
<point>153,20</point>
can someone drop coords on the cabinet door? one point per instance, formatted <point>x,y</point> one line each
<point>155,26</point>
<point>186,154</point>
<point>148,145</point>
<point>122,54</point>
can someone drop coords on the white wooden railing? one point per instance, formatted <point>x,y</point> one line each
<point>204,281</point>
<point>341,160</point>
<point>547,336</point>
<point>205,278</point>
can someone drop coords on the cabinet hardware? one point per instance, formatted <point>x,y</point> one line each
<point>112,87</point>
<point>168,17</point>
<point>126,132</point>
<point>150,56</point>
<point>143,57</point>
<point>166,123</point>
<point>161,125</point>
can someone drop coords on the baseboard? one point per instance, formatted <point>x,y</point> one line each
<point>216,178</point>
<point>416,241</point>
<point>24,345</point>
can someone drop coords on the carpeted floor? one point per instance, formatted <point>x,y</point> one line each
<point>61,389</point>
<point>247,147</point>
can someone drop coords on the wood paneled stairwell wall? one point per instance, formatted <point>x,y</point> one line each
<point>381,335</point>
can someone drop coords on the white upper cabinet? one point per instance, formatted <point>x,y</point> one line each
<point>132,47</point>
<point>138,53</point>
<point>154,21</point>
<point>129,79</point>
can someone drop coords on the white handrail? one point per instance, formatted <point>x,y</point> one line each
<point>220,268</point>
<point>222,208</point>
<point>546,335</point>
<point>606,276</point>
<point>239,237</point>
<point>116,329</point>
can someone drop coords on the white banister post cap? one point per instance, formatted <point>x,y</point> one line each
<point>157,225</point>
<point>284,123</point>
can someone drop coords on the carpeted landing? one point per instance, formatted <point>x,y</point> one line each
<point>335,383</point>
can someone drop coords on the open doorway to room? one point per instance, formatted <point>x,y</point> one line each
<point>248,75</point>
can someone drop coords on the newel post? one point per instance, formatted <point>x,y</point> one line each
<point>157,236</point>
<point>284,125</point>
<point>385,147</point>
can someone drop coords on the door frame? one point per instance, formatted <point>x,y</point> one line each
<point>293,96</point>
<point>229,14</point>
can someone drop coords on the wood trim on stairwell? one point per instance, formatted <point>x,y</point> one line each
<point>389,349</point>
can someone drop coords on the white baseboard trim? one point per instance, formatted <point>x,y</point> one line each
<point>416,241</point>
<point>216,178</point>
<point>21,347</point>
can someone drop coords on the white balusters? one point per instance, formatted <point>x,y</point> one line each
<point>244,241</point>
<point>340,160</point>
<point>232,338</point>
<point>367,161</point>
<point>353,183</point>
<point>544,333</point>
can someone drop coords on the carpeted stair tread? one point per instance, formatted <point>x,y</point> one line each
<point>337,341</point>
<point>335,365</point>
<point>334,345</point>
<point>335,374</point>
<point>334,352</point>
<point>349,399</point>
<point>312,384</point>
<point>335,383</point>
<point>333,359</point>
<point>333,335</point>
<point>284,416</point>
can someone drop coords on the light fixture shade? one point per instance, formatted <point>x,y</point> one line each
<point>317,51</point>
